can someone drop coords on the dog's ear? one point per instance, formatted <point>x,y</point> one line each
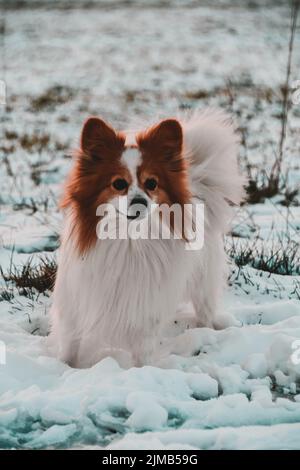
<point>168,135</point>
<point>99,140</point>
<point>163,140</point>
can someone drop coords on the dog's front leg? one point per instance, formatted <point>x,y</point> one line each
<point>207,286</point>
<point>145,350</point>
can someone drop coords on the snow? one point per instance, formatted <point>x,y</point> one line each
<point>210,380</point>
<point>280,436</point>
<point>146,414</point>
<point>232,389</point>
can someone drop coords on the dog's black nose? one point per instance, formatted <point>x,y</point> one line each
<point>139,200</point>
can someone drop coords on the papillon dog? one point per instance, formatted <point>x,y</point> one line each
<point>112,297</point>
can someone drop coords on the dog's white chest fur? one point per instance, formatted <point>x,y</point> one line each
<point>117,297</point>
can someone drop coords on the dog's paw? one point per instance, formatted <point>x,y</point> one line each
<point>185,319</point>
<point>225,320</point>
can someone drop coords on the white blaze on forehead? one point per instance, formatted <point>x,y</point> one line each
<point>130,139</point>
<point>131,158</point>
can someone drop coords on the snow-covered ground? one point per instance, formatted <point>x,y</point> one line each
<point>232,389</point>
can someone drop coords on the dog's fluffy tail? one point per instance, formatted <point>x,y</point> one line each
<point>210,146</point>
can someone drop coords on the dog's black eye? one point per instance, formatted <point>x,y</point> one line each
<point>150,184</point>
<point>120,184</point>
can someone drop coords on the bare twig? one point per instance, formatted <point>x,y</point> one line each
<point>276,170</point>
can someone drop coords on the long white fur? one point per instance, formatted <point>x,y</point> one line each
<point>115,299</point>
